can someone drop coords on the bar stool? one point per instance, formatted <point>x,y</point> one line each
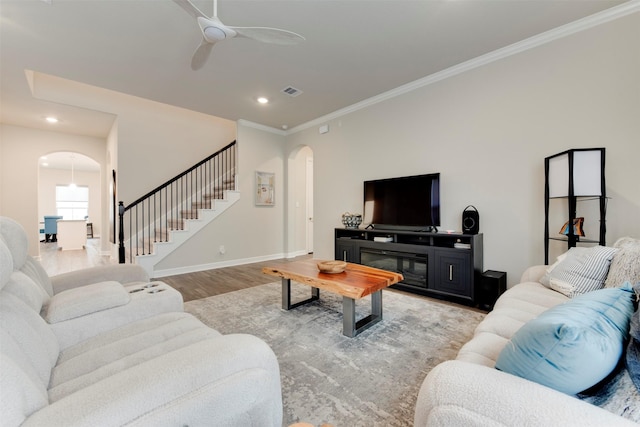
<point>90,230</point>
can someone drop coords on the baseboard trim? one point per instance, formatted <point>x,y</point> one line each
<point>214,265</point>
<point>295,254</point>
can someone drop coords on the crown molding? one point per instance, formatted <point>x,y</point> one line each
<point>586,23</point>
<point>261,127</point>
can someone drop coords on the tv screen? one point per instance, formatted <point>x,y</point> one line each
<point>410,202</point>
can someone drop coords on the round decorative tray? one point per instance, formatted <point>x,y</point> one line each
<point>331,266</point>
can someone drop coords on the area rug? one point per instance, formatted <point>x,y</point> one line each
<point>370,380</point>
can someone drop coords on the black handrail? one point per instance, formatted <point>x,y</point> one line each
<point>148,216</point>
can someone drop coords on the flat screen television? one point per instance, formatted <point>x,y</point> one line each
<point>403,203</point>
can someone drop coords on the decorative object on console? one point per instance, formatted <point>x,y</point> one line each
<point>331,267</point>
<point>351,220</point>
<point>459,245</point>
<point>470,220</point>
<point>578,231</point>
<point>572,346</point>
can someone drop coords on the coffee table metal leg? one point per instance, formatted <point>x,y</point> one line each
<point>286,295</point>
<point>350,327</point>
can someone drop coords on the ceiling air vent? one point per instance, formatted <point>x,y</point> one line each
<point>291,91</point>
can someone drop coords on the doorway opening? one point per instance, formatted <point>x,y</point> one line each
<point>300,204</point>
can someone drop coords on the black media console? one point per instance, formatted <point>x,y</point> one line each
<point>441,265</point>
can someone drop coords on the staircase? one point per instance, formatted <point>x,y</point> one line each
<point>158,223</point>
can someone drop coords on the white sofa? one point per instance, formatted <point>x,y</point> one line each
<point>469,391</point>
<point>103,347</point>
<point>87,302</point>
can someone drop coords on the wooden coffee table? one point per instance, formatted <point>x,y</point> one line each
<point>355,282</point>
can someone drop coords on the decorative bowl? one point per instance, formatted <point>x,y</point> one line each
<point>351,220</point>
<point>331,267</point>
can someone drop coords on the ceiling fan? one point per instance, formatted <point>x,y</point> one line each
<point>213,31</point>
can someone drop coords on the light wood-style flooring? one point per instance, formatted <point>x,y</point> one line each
<point>56,261</point>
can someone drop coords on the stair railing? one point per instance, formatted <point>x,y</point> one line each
<point>149,219</point>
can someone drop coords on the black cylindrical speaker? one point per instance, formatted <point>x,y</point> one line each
<point>470,220</point>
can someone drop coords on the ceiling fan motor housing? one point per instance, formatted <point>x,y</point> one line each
<point>214,31</point>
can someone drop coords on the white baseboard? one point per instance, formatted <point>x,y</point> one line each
<point>214,265</point>
<point>295,254</point>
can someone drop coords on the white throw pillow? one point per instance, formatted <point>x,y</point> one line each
<point>545,280</point>
<point>582,270</point>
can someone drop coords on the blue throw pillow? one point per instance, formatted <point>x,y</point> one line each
<point>633,349</point>
<point>572,346</point>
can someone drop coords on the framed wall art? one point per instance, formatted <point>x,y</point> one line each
<point>265,188</point>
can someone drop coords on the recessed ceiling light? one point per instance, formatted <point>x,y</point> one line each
<point>51,120</point>
<point>263,100</point>
<point>45,164</point>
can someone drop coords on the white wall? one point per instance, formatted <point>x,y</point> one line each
<point>248,232</point>
<point>112,219</point>
<point>487,132</point>
<point>20,149</point>
<point>155,141</point>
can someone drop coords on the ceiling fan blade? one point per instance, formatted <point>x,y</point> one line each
<point>269,35</point>
<point>201,55</point>
<point>190,8</point>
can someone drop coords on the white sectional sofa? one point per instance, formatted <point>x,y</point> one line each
<point>106,347</point>
<point>470,391</point>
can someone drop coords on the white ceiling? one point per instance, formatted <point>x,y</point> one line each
<point>354,50</point>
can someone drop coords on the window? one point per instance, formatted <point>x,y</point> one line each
<point>72,202</point>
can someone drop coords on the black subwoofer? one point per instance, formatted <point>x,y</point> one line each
<point>470,220</point>
<point>492,285</point>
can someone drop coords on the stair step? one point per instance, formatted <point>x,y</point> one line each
<point>145,247</point>
<point>176,224</point>
<point>189,213</point>
<point>161,235</point>
<point>201,205</point>
<point>215,195</point>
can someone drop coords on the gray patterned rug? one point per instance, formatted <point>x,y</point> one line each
<point>370,380</point>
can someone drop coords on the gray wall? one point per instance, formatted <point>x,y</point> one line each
<point>248,232</point>
<point>487,132</point>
